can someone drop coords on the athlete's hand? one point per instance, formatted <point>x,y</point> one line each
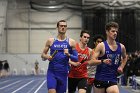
<point>44,58</point>
<point>50,58</point>
<point>66,52</point>
<point>107,61</point>
<point>77,64</point>
<point>120,70</point>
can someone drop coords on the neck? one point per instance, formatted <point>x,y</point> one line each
<point>82,46</point>
<point>61,37</point>
<point>111,42</point>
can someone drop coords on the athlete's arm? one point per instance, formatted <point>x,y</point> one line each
<point>123,60</point>
<point>99,51</point>
<point>74,55</point>
<point>91,53</point>
<point>44,54</point>
<point>74,63</point>
<point>94,60</point>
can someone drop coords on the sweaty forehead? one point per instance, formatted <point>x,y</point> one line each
<point>85,34</point>
<point>62,23</point>
<point>114,28</point>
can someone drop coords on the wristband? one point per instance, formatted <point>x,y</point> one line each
<point>74,58</point>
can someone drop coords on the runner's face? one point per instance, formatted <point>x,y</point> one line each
<point>99,40</point>
<point>85,38</point>
<point>62,28</point>
<point>112,33</point>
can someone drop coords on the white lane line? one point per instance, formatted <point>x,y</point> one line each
<point>10,84</point>
<point>35,86</point>
<point>22,86</point>
<point>40,86</point>
<point>4,81</point>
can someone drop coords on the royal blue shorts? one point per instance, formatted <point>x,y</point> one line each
<point>57,80</point>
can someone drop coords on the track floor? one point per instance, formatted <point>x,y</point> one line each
<point>32,84</point>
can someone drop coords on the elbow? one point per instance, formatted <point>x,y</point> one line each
<point>74,58</point>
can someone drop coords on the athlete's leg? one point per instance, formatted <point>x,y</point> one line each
<point>99,90</point>
<point>51,82</point>
<point>72,84</point>
<point>99,86</point>
<point>61,82</point>
<point>51,91</point>
<point>90,82</point>
<point>89,88</point>
<point>112,89</point>
<point>82,85</point>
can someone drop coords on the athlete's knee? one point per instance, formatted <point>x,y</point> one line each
<point>51,91</point>
<point>112,89</point>
<point>82,90</point>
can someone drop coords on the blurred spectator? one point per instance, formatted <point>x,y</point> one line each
<point>132,66</point>
<point>6,68</point>
<point>127,68</point>
<point>36,68</point>
<point>137,66</point>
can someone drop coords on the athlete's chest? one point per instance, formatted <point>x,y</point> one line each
<point>60,45</point>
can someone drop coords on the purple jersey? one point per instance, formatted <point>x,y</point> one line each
<point>60,60</point>
<point>108,72</point>
<point>58,67</point>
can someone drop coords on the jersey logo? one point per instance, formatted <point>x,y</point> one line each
<point>114,57</point>
<point>60,46</point>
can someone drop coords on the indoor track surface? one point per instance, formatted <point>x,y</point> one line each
<point>31,84</point>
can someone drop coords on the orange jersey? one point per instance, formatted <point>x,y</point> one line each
<point>81,70</point>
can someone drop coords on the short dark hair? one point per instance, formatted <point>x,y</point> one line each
<point>97,37</point>
<point>111,24</point>
<point>84,31</point>
<point>59,22</point>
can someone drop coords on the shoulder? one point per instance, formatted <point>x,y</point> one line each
<point>100,49</point>
<point>122,47</point>
<point>72,42</point>
<point>100,45</point>
<point>50,41</point>
<point>123,51</point>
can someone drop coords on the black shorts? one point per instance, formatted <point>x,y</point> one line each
<point>103,84</point>
<point>73,83</point>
